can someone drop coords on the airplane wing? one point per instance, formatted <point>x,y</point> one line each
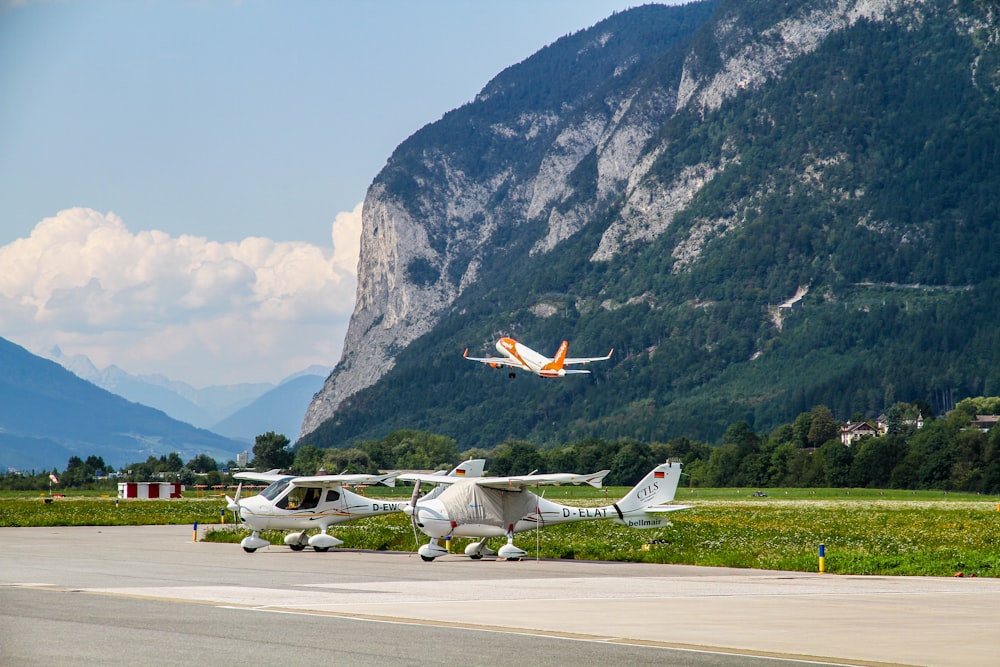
<point>268,477</point>
<point>497,361</point>
<point>319,480</point>
<point>521,482</point>
<point>389,479</point>
<point>585,360</point>
<point>427,478</point>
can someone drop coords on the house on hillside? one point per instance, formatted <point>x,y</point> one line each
<point>851,432</point>
<point>984,422</point>
<point>883,423</point>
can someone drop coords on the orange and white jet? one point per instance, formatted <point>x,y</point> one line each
<point>518,356</point>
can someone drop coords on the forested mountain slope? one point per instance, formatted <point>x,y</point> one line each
<point>761,206</point>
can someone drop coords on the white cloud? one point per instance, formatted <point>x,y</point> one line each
<point>192,309</point>
<point>347,240</point>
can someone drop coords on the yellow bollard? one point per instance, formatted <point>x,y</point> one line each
<point>822,558</point>
<point>194,537</point>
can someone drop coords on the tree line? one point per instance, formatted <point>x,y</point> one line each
<point>93,473</point>
<point>916,451</point>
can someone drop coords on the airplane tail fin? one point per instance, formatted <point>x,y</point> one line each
<point>645,505</point>
<point>470,468</point>
<point>557,361</point>
<point>561,354</point>
<point>659,486</point>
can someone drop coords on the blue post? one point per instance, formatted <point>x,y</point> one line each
<point>194,538</point>
<point>822,558</point>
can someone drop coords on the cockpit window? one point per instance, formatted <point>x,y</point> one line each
<point>276,488</point>
<point>301,498</point>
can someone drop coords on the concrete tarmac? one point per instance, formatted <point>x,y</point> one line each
<point>783,616</point>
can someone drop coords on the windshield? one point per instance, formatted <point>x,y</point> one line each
<point>276,488</point>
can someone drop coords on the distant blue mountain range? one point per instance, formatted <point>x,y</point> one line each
<point>48,414</point>
<point>279,410</point>
<point>238,411</point>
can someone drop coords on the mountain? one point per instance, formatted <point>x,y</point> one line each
<point>202,407</point>
<point>239,411</point>
<point>279,410</point>
<point>761,206</point>
<point>48,414</point>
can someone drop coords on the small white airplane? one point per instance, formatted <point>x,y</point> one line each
<point>318,501</point>
<point>518,356</point>
<point>488,507</point>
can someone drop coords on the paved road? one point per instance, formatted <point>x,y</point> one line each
<point>151,595</point>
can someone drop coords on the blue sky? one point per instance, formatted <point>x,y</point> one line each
<point>172,172</point>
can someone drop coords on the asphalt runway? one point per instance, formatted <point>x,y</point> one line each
<point>152,595</point>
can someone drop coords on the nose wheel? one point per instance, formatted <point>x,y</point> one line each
<point>251,543</point>
<point>431,550</point>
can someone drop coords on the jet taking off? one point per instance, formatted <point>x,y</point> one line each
<point>318,501</point>
<point>486,507</point>
<point>518,356</point>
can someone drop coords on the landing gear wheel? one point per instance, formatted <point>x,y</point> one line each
<point>297,547</point>
<point>249,550</point>
<point>512,560</point>
<point>427,559</point>
<point>476,556</point>
<point>322,550</point>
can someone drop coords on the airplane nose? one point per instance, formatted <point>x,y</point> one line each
<point>433,522</point>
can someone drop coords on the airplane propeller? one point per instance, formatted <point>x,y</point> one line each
<point>233,504</point>
<point>413,511</point>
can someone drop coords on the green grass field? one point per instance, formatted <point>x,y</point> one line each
<point>863,531</point>
<point>91,510</point>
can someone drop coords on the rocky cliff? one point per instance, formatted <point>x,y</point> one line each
<point>617,125</point>
<point>506,158</point>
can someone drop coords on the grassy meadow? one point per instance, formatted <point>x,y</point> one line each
<point>92,510</point>
<point>863,531</point>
